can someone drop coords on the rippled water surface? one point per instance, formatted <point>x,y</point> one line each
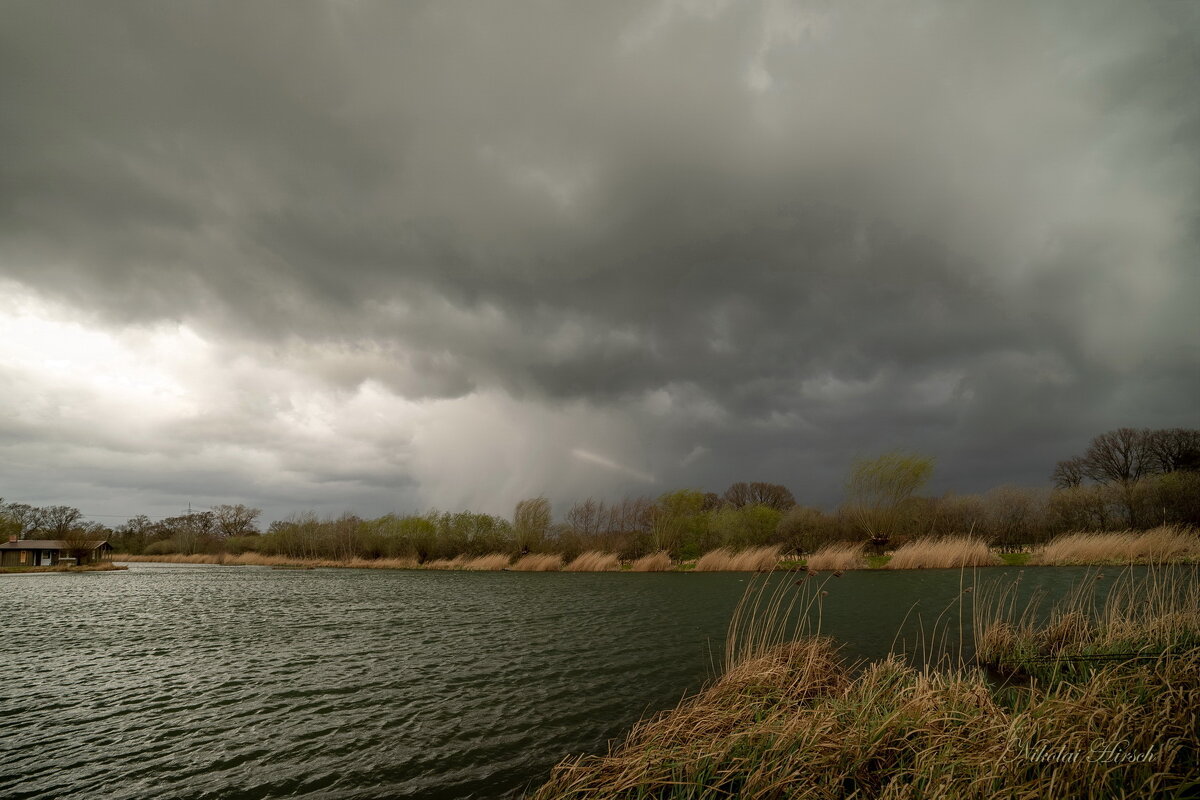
<point>182,681</point>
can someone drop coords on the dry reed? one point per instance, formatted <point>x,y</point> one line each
<point>492,562</point>
<point>655,562</point>
<point>755,559</point>
<point>838,556</point>
<point>1157,545</point>
<point>456,563</point>
<point>1144,613</point>
<point>792,719</point>
<point>945,552</point>
<point>538,562</point>
<point>594,561</point>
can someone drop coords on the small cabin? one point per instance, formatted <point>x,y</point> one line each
<point>51,553</point>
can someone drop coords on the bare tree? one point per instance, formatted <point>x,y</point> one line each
<point>1121,456</point>
<point>189,531</point>
<point>81,541</point>
<point>58,520</point>
<point>24,518</point>
<point>586,518</point>
<point>1175,449</point>
<point>235,520</point>
<point>1070,473</point>
<point>771,495</point>
<point>738,495</point>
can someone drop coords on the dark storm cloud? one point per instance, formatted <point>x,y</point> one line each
<point>776,234</point>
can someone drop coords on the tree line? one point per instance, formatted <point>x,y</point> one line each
<point>1127,478</point>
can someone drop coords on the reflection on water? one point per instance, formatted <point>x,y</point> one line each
<point>182,681</point>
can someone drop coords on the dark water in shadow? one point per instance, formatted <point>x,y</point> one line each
<point>181,681</point>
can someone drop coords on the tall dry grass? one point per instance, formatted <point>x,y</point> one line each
<point>1145,613</point>
<point>838,556</point>
<point>797,722</point>
<point>1157,545</point>
<point>754,559</point>
<point>793,719</point>
<point>655,562</point>
<point>944,552</point>
<point>492,562</point>
<point>538,562</point>
<point>594,561</point>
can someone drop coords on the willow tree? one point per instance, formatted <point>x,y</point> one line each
<point>877,489</point>
<point>531,523</point>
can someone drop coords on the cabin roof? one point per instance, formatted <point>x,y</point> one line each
<point>44,544</point>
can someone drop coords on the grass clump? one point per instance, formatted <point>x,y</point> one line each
<point>943,552</point>
<point>655,562</point>
<point>792,719</point>
<point>1145,615</point>
<point>839,556</point>
<point>797,722</point>
<point>1157,545</point>
<point>538,562</point>
<point>491,562</point>
<point>594,561</point>
<point>754,559</point>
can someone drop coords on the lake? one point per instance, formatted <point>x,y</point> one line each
<point>198,681</point>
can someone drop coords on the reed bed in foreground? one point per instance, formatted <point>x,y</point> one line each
<point>538,562</point>
<point>946,552</point>
<point>792,719</point>
<point>796,722</point>
<point>754,559</point>
<point>594,561</point>
<point>655,562</point>
<point>838,556</point>
<point>1145,614</point>
<point>1161,544</point>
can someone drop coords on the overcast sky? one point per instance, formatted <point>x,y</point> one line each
<point>390,256</point>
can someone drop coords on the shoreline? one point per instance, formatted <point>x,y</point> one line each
<point>105,567</point>
<point>879,564</point>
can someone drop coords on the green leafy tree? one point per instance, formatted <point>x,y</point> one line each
<point>531,523</point>
<point>877,488</point>
<point>677,522</point>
